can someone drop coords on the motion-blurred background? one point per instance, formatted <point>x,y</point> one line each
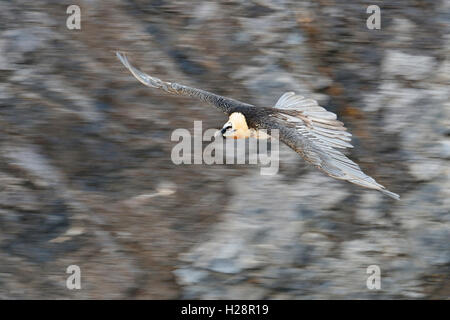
<point>85,171</point>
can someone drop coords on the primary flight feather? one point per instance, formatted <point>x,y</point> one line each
<point>307,128</point>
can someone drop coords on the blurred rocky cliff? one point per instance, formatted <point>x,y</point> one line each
<point>86,176</point>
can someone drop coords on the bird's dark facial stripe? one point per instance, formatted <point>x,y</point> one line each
<point>225,129</point>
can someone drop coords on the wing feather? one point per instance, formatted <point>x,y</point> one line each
<point>318,137</point>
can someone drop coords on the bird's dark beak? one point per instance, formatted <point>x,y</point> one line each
<point>219,133</point>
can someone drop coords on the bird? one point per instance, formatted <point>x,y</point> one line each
<point>303,125</point>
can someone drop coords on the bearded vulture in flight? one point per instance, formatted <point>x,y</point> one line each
<point>303,125</point>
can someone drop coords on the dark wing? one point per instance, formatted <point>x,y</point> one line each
<point>223,103</point>
<point>318,137</point>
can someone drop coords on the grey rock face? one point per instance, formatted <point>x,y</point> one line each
<point>410,67</point>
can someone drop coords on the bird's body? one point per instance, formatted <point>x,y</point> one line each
<point>302,124</point>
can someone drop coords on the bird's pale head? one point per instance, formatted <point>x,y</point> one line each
<point>236,127</point>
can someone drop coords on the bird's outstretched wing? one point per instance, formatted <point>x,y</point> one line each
<point>318,137</point>
<point>227,105</point>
